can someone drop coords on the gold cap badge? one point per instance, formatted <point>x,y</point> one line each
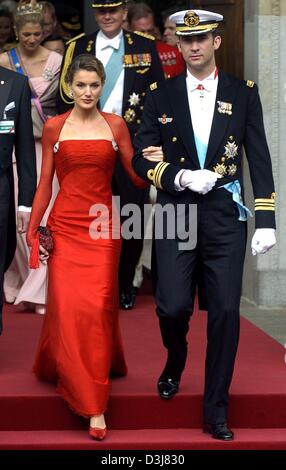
<point>191,19</point>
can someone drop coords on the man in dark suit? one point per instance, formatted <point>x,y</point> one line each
<point>202,121</point>
<point>16,131</point>
<point>131,63</point>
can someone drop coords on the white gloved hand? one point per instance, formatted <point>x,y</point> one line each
<point>263,240</point>
<point>199,181</point>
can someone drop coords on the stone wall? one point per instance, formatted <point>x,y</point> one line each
<point>265,63</point>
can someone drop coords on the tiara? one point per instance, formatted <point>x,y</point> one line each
<point>29,7</point>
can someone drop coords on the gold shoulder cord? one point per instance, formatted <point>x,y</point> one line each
<point>64,91</point>
<point>145,35</point>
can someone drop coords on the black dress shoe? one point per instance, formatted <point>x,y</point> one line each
<point>127,298</point>
<point>167,387</point>
<point>219,431</point>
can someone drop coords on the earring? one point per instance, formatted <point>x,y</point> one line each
<point>71,93</point>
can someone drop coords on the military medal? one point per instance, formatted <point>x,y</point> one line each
<point>7,127</point>
<point>134,99</point>
<point>232,169</point>
<point>130,115</point>
<point>231,150</point>
<point>224,108</point>
<point>137,60</point>
<point>220,169</point>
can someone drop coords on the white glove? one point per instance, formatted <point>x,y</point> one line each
<point>199,181</point>
<point>263,240</point>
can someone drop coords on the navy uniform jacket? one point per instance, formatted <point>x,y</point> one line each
<point>237,123</point>
<point>15,90</point>
<point>142,67</point>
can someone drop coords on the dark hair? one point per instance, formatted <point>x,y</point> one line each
<point>136,11</point>
<point>53,37</point>
<point>85,62</point>
<point>166,13</point>
<point>6,13</point>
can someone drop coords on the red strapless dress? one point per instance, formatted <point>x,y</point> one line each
<point>80,344</point>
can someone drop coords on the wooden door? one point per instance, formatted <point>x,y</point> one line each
<point>230,57</point>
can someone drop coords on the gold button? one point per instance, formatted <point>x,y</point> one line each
<point>174,139</point>
<point>182,160</point>
<point>141,107</point>
<point>144,94</point>
<point>231,138</point>
<point>223,159</point>
<point>138,121</point>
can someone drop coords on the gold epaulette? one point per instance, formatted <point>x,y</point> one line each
<point>64,89</point>
<point>250,83</point>
<point>267,204</point>
<point>153,86</point>
<point>75,38</point>
<point>145,35</point>
<point>156,175</point>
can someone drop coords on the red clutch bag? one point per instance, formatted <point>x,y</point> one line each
<point>45,238</point>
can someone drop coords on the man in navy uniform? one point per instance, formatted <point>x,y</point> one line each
<point>16,132</point>
<point>202,120</point>
<point>131,64</point>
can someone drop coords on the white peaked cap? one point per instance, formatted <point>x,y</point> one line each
<point>190,22</point>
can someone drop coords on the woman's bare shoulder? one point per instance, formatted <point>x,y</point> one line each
<point>4,60</point>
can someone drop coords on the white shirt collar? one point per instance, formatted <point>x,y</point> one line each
<point>209,83</point>
<point>103,41</point>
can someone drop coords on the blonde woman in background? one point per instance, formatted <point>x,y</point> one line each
<point>42,67</point>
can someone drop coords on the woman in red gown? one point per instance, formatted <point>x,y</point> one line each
<point>80,344</point>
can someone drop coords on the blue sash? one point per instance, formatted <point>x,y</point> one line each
<point>235,189</point>
<point>16,61</point>
<point>113,70</point>
<point>12,54</point>
<point>201,151</point>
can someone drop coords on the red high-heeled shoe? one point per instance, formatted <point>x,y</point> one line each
<point>97,433</point>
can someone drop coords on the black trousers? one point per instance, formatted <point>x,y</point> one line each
<point>4,214</point>
<point>218,258</point>
<point>131,249</point>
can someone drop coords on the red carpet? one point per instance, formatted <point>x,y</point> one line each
<point>33,416</point>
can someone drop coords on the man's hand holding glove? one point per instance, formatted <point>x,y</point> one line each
<point>199,181</point>
<point>263,240</point>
